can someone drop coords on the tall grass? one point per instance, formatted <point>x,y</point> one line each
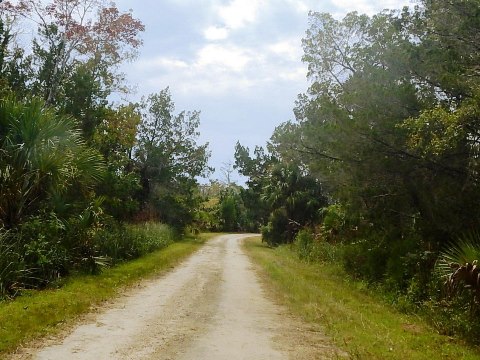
<point>132,241</point>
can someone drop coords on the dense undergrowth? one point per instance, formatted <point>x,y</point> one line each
<point>41,252</point>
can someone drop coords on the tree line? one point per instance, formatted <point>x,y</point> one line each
<point>76,167</point>
<point>379,169</point>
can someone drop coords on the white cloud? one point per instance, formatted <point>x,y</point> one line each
<point>219,70</point>
<point>228,57</point>
<point>299,6</point>
<point>161,62</point>
<point>239,13</point>
<point>297,74</point>
<point>367,6</point>
<point>289,49</point>
<point>215,33</point>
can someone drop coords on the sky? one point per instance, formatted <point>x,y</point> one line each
<point>237,61</point>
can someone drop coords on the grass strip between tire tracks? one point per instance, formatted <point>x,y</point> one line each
<point>356,321</point>
<point>46,312</point>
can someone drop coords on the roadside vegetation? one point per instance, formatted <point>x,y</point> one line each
<point>78,171</point>
<point>378,173</point>
<point>47,312</point>
<point>357,319</point>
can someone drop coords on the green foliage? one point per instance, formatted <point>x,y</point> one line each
<point>120,243</point>
<point>334,219</point>
<point>43,155</point>
<point>149,237</point>
<point>276,230</point>
<point>386,125</point>
<point>453,317</point>
<point>389,126</point>
<point>295,199</point>
<point>257,169</point>
<point>44,252</point>
<point>73,165</point>
<point>353,316</point>
<point>313,247</point>
<point>12,268</point>
<point>458,266</point>
<point>38,313</point>
<point>169,160</point>
<point>365,259</point>
<point>228,212</point>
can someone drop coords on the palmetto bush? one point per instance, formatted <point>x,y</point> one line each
<point>460,268</point>
<point>455,310</point>
<point>42,156</point>
<point>47,174</point>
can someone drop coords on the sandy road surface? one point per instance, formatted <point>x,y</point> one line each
<point>211,307</point>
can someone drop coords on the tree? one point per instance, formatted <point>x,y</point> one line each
<point>115,138</point>
<point>169,159</point>
<point>14,65</point>
<point>349,126</point>
<point>86,31</point>
<point>295,200</point>
<point>389,125</point>
<point>227,170</point>
<point>228,211</point>
<point>257,169</point>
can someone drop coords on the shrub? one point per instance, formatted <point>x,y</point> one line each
<point>12,268</point>
<point>124,242</point>
<point>42,250</point>
<point>304,244</point>
<point>458,265</point>
<point>276,231</point>
<point>367,259</point>
<point>452,315</point>
<point>334,219</point>
<point>312,246</point>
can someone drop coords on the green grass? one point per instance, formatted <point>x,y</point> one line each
<point>39,313</point>
<point>356,321</point>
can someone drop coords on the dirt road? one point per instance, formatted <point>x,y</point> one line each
<point>210,307</point>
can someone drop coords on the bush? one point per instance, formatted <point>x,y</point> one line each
<point>125,242</point>
<point>365,259</point>
<point>12,268</point>
<point>334,219</point>
<point>304,244</point>
<point>453,315</point>
<point>276,231</point>
<point>151,236</point>
<point>313,247</point>
<point>43,251</point>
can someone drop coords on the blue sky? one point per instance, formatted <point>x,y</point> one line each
<point>237,61</point>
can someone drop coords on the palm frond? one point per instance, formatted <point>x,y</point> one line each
<point>44,155</point>
<point>458,265</point>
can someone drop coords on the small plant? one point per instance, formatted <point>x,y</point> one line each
<point>458,265</point>
<point>304,243</point>
<point>12,267</point>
